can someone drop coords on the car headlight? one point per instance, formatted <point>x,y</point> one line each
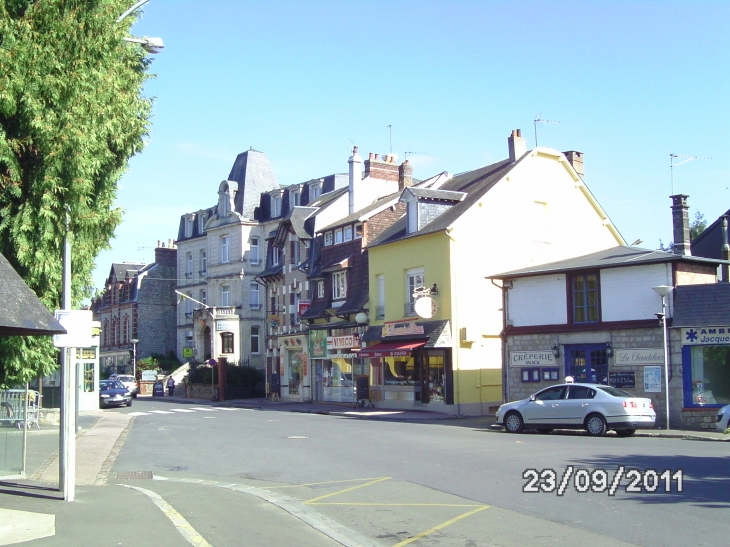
<point>104,395</point>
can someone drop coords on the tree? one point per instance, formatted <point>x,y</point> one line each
<point>696,227</point>
<point>72,113</point>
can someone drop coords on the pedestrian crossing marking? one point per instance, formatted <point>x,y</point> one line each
<point>161,412</point>
<point>204,409</point>
<point>181,410</point>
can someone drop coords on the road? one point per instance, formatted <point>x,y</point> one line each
<point>308,479</point>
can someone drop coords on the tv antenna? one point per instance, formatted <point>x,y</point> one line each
<point>538,120</point>
<point>417,153</point>
<point>688,158</point>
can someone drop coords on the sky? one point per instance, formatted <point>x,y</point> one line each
<point>441,83</point>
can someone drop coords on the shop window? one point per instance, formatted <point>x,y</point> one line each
<point>400,371</point>
<point>226,342</point>
<point>584,292</point>
<point>89,377</point>
<point>436,376</point>
<point>710,375</point>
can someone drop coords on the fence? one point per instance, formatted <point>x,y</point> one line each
<point>18,407</point>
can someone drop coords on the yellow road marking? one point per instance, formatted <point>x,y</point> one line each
<point>440,526</point>
<point>319,483</point>
<point>347,490</point>
<point>182,525</point>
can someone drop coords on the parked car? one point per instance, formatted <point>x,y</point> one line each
<point>113,393</point>
<point>723,416</point>
<point>128,381</point>
<point>593,407</point>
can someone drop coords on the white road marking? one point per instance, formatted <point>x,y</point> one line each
<point>182,525</point>
<point>204,408</point>
<point>161,412</point>
<point>139,414</point>
<point>181,410</point>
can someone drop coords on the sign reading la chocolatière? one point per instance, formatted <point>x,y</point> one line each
<point>638,356</point>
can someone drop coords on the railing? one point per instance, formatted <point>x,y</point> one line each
<point>224,310</point>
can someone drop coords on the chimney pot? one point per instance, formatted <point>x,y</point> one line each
<point>680,224</point>
<point>372,156</point>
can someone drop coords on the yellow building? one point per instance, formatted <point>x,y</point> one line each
<point>435,321</point>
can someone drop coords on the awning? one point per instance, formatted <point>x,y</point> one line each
<point>391,349</point>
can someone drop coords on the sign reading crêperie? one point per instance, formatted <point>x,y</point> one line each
<point>531,359</point>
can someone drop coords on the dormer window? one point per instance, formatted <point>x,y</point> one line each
<point>412,214</point>
<point>294,198</point>
<point>315,190</point>
<point>339,285</point>
<point>275,205</point>
<point>327,239</point>
<point>338,236</point>
<point>189,226</point>
<point>201,224</point>
<point>358,231</point>
<point>347,233</point>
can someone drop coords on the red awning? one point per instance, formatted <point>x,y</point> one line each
<point>391,349</point>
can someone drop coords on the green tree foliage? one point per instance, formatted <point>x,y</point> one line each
<point>72,113</point>
<point>696,227</point>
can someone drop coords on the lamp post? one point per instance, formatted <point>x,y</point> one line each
<point>134,357</point>
<point>663,291</point>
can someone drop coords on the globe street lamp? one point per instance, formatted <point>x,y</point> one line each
<point>663,291</point>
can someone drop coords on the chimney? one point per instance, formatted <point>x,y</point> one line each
<point>517,145</point>
<point>385,169</point>
<point>405,175</point>
<point>576,160</point>
<point>166,256</point>
<point>355,162</point>
<point>725,251</point>
<point>680,224</point>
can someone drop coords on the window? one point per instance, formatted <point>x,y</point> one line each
<point>225,249</point>
<point>255,330</point>
<point>584,294</point>
<point>348,233</point>
<point>189,265</point>
<point>338,236</point>
<point>315,190</point>
<point>530,374</point>
<point>327,239</point>
<point>580,392</point>
<point>551,394</point>
<point>294,252</point>
<point>255,298</point>
<point>412,214</point>
<point>414,279</point>
<point>294,198</point>
<point>710,373</point>
<point>380,309</point>
<point>203,262</point>
<point>188,226</point>
<point>201,224</point>
<point>275,206</point>
<point>275,255</point>
<point>225,295</point>
<point>254,252</point>
<point>226,342</point>
<point>339,285</point>
<point>320,288</point>
<point>358,231</point>
<point>125,329</point>
<point>204,297</point>
<point>189,305</point>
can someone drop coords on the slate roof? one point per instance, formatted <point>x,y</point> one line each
<point>709,243</point>
<point>254,175</point>
<point>21,312</point>
<point>474,183</point>
<point>615,257</point>
<point>442,195</point>
<point>121,270</point>
<point>702,305</point>
<point>315,311</point>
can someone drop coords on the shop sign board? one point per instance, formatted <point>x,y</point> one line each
<point>338,342</point>
<point>318,343</point>
<point>638,356</point>
<point>531,359</point>
<point>226,325</point>
<point>401,328</point>
<point>705,335</point>
<point>622,379</point>
<point>303,306</point>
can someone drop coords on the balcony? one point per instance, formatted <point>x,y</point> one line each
<point>203,273</point>
<point>188,275</point>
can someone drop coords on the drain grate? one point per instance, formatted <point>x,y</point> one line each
<point>129,475</point>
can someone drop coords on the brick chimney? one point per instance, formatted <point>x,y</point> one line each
<point>405,175</point>
<point>385,169</point>
<point>576,160</point>
<point>166,256</point>
<point>517,145</point>
<point>680,224</point>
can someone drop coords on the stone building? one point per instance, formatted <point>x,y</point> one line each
<point>138,303</point>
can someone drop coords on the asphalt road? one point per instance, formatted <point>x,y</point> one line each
<point>240,476</point>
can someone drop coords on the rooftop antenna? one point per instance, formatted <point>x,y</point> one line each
<point>390,130</point>
<point>540,120</point>
<point>672,166</point>
<point>417,153</point>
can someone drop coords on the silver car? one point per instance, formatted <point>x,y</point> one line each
<point>723,419</point>
<point>593,407</point>
<point>127,381</point>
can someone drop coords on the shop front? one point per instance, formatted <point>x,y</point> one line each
<point>294,377</point>
<point>411,364</point>
<point>337,364</point>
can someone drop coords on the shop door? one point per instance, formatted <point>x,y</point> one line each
<point>588,364</point>
<point>318,383</point>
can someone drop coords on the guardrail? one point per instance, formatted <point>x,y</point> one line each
<point>20,407</point>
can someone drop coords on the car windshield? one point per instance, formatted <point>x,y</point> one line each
<point>105,385</point>
<point>125,378</point>
<point>615,391</point>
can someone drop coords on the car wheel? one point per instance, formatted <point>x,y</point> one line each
<point>596,425</point>
<point>544,430</point>
<point>129,403</point>
<point>513,422</point>
<point>625,432</point>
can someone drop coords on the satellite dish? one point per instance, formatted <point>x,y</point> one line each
<point>425,307</point>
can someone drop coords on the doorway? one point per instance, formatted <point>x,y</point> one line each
<point>588,363</point>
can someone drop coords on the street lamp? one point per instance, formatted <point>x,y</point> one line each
<point>149,44</point>
<point>134,357</point>
<point>663,291</point>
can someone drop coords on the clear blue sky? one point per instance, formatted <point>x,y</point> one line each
<point>629,82</point>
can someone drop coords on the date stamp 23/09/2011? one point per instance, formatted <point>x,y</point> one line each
<point>602,480</point>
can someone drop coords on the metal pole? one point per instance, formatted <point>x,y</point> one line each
<point>67,438</point>
<point>666,355</point>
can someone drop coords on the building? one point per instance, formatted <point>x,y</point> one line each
<point>138,303</point>
<point>597,319</point>
<point>532,207</point>
<point>220,253</point>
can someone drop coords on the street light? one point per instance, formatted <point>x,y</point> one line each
<point>134,357</point>
<point>149,44</point>
<point>663,291</point>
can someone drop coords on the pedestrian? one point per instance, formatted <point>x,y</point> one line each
<point>170,386</point>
